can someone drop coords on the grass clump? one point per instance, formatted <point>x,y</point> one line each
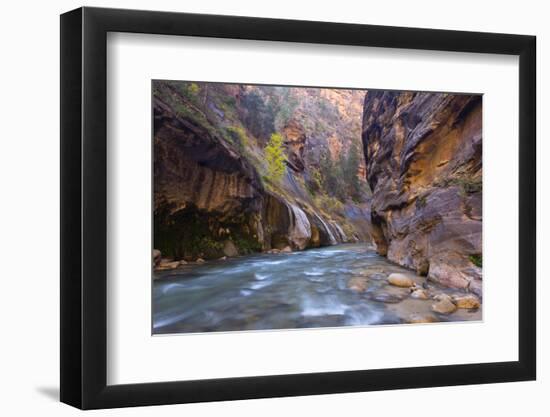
<point>467,185</point>
<point>238,137</point>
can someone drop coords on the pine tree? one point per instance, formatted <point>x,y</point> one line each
<point>350,168</point>
<point>275,157</point>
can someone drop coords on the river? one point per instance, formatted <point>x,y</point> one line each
<point>324,287</point>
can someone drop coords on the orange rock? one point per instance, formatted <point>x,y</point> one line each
<point>400,280</point>
<point>444,307</point>
<point>467,301</point>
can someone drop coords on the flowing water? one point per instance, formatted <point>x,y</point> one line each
<point>312,288</point>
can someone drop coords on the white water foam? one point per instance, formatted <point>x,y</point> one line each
<point>322,306</point>
<point>314,273</point>
<point>261,277</point>
<point>260,284</point>
<point>170,287</point>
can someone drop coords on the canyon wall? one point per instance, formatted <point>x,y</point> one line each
<point>213,195</point>
<point>423,154</point>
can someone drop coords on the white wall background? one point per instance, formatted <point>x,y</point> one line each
<point>29,225</point>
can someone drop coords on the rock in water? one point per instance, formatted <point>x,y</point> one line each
<point>286,249</point>
<point>386,297</point>
<point>420,294</point>
<point>229,249</point>
<point>358,284</point>
<point>156,257</point>
<point>166,266</point>
<point>419,318</point>
<point>442,297</point>
<point>444,306</point>
<point>423,153</point>
<point>467,301</point>
<point>400,280</point>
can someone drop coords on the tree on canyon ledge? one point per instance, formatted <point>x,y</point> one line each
<point>350,167</point>
<point>275,157</point>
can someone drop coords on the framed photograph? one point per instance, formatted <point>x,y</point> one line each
<point>256,208</point>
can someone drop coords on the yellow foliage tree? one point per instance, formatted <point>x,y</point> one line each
<point>275,158</point>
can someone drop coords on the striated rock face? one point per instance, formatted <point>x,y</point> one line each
<point>299,232</point>
<point>204,191</point>
<point>423,162</point>
<point>209,199</point>
<point>193,165</point>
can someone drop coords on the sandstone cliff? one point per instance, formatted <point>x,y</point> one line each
<point>423,158</point>
<point>213,195</point>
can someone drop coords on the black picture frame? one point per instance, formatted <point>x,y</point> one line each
<point>84,207</point>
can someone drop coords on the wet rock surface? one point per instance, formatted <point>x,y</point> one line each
<point>400,280</point>
<point>167,265</point>
<point>359,284</point>
<point>420,294</point>
<point>444,306</point>
<point>467,301</point>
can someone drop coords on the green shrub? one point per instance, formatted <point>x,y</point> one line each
<point>476,260</point>
<point>247,245</point>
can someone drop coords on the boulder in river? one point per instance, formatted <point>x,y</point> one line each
<point>286,249</point>
<point>416,318</point>
<point>386,297</point>
<point>400,280</point>
<point>167,265</point>
<point>442,296</point>
<point>420,294</point>
<point>445,306</point>
<point>358,284</point>
<point>467,301</point>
